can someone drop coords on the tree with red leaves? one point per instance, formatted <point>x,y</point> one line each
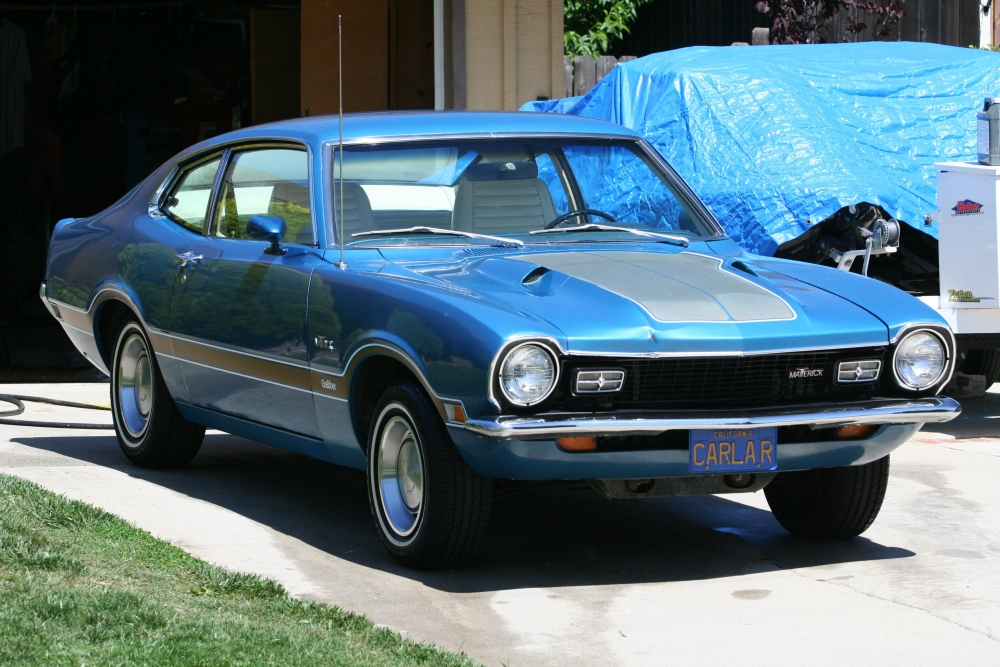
<point>803,21</point>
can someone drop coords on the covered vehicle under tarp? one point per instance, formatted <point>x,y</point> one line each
<point>775,138</point>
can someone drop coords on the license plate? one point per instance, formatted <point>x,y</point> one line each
<point>725,450</point>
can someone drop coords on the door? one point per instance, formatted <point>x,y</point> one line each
<point>239,317</point>
<point>156,270</point>
<point>388,51</point>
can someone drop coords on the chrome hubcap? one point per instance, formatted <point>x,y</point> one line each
<point>135,385</point>
<point>400,476</point>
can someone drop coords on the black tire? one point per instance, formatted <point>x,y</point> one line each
<point>982,362</point>
<point>430,507</point>
<point>150,428</point>
<point>829,503</point>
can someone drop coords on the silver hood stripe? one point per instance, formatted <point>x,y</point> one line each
<point>680,287</point>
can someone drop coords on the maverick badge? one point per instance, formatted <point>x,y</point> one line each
<point>805,372</point>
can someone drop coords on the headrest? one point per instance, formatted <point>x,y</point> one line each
<point>501,171</point>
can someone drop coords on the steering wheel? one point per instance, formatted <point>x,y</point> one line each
<point>576,214</point>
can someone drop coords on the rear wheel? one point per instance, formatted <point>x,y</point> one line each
<point>430,507</point>
<point>150,429</point>
<point>829,503</point>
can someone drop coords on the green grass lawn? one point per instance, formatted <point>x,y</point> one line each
<point>79,586</point>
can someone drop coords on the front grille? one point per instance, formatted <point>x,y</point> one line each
<point>719,383</point>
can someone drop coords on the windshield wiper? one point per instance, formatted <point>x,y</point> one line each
<point>442,232</point>
<point>594,227</point>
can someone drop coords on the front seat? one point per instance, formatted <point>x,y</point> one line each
<point>357,210</point>
<point>502,198</point>
<point>290,201</point>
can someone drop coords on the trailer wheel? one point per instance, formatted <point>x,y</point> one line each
<point>982,362</point>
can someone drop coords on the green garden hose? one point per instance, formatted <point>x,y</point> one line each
<point>17,402</point>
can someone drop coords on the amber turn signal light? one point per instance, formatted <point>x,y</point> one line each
<point>856,431</point>
<point>577,444</point>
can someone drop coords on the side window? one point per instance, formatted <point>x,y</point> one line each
<point>188,201</point>
<point>265,181</point>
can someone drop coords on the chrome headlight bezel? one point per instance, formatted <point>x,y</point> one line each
<point>505,356</point>
<point>946,367</point>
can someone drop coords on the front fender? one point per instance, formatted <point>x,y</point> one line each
<point>894,307</point>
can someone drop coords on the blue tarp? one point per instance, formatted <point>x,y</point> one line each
<point>771,137</point>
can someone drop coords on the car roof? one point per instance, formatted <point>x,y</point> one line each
<point>320,129</point>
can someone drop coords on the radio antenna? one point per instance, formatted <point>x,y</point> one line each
<point>340,195</point>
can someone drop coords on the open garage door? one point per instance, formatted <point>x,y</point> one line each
<point>105,92</point>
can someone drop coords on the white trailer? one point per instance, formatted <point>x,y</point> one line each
<point>968,217</point>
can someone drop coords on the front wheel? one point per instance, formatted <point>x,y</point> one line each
<point>150,428</point>
<point>430,507</point>
<point>829,503</point>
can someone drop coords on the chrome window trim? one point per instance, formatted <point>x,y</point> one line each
<point>555,381</point>
<point>155,210</point>
<point>684,190</point>
<point>213,198</point>
<point>949,363</point>
<point>376,140</point>
<point>692,198</point>
<point>328,197</point>
<point>225,149</point>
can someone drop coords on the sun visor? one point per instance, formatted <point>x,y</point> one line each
<point>501,171</point>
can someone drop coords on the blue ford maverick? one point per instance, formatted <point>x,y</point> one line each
<point>448,300</point>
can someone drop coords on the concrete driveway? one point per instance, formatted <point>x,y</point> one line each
<point>571,578</point>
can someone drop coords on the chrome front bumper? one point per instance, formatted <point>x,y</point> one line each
<point>878,411</point>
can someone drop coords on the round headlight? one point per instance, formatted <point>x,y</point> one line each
<point>920,360</point>
<point>527,374</point>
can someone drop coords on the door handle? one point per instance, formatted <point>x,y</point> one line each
<point>185,257</point>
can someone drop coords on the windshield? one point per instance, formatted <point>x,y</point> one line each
<point>510,188</point>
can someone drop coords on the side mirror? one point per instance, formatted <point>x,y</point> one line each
<point>268,228</point>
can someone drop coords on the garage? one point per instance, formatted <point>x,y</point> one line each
<point>98,94</point>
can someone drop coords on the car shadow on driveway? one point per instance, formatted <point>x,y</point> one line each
<point>980,418</point>
<point>540,537</point>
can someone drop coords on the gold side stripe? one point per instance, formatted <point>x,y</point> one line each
<point>241,364</point>
<point>273,359</point>
<point>223,370</point>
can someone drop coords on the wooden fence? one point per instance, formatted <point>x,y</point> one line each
<point>672,24</point>
<point>663,25</point>
<point>952,22</point>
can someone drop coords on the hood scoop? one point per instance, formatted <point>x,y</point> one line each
<point>534,275</point>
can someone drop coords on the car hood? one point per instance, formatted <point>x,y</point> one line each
<point>655,298</point>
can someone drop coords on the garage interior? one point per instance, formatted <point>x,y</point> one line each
<point>100,93</point>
